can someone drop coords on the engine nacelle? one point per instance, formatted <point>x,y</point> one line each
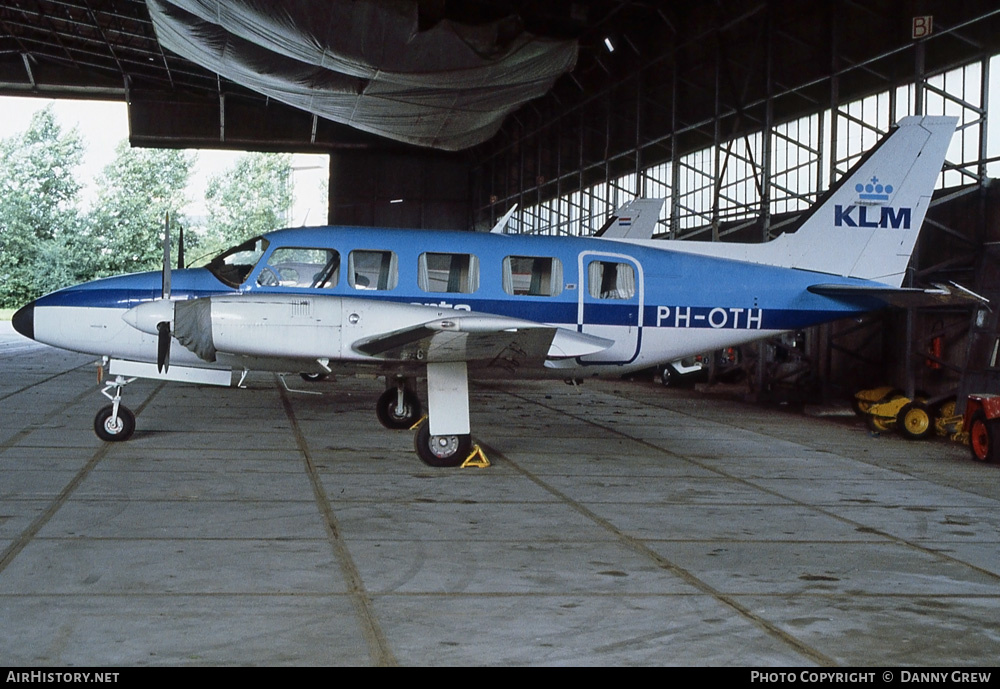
<point>276,325</point>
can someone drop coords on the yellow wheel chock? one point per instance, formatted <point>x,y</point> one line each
<point>477,459</point>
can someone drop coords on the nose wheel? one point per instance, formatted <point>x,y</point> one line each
<point>115,422</point>
<point>113,426</point>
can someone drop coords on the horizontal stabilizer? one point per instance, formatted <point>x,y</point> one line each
<point>938,295</point>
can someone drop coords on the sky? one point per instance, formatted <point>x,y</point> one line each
<point>103,125</point>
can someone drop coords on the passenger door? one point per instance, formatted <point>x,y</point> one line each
<point>611,304</point>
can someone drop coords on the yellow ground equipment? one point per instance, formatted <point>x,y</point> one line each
<point>887,408</point>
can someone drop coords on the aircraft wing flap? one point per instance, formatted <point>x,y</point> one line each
<point>938,295</point>
<point>480,339</point>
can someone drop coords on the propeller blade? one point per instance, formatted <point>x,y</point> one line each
<point>180,248</point>
<point>163,346</point>
<point>166,257</point>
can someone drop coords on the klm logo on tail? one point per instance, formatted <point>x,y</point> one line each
<point>869,211</point>
<point>886,216</point>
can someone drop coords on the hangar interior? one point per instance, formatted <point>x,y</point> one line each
<point>617,525</point>
<point>739,113</point>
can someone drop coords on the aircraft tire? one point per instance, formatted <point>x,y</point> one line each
<point>441,450</point>
<point>669,377</point>
<point>313,377</point>
<point>915,421</point>
<point>385,410</point>
<point>110,432</point>
<point>984,434</point>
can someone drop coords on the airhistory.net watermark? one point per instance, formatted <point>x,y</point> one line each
<point>33,676</point>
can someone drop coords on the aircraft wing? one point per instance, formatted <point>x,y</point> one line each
<point>938,295</point>
<point>481,339</point>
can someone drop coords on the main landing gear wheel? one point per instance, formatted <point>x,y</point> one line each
<point>915,421</point>
<point>113,430</point>
<point>390,416</point>
<point>668,376</point>
<point>441,450</point>
<point>984,434</point>
<point>313,377</point>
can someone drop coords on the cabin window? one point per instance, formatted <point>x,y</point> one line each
<point>448,273</point>
<point>375,270</point>
<point>234,265</point>
<point>536,276</point>
<point>609,280</point>
<point>301,267</point>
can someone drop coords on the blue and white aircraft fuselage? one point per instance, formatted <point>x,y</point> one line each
<point>444,305</point>
<point>666,313</point>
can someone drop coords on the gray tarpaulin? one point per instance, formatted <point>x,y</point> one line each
<point>365,63</point>
<point>193,326</point>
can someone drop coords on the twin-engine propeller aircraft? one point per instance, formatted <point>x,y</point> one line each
<point>446,305</point>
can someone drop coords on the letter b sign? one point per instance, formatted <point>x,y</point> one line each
<point>922,26</point>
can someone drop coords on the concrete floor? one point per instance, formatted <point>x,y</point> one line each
<point>620,524</point>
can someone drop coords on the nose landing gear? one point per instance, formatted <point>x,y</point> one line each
<point>115,422</point>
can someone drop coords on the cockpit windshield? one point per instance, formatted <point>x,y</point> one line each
<point>234,265</point>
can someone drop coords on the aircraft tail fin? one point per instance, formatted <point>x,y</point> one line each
<point>867,225</point>
<point>635,220</point>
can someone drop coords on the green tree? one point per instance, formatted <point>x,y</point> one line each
<point>252,197</point>
<point>135,193</point>
<point>39,214</point>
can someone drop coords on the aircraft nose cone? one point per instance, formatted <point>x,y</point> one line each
<point>24,320</point>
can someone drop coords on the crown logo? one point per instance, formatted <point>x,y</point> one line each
<point>873,191</point>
